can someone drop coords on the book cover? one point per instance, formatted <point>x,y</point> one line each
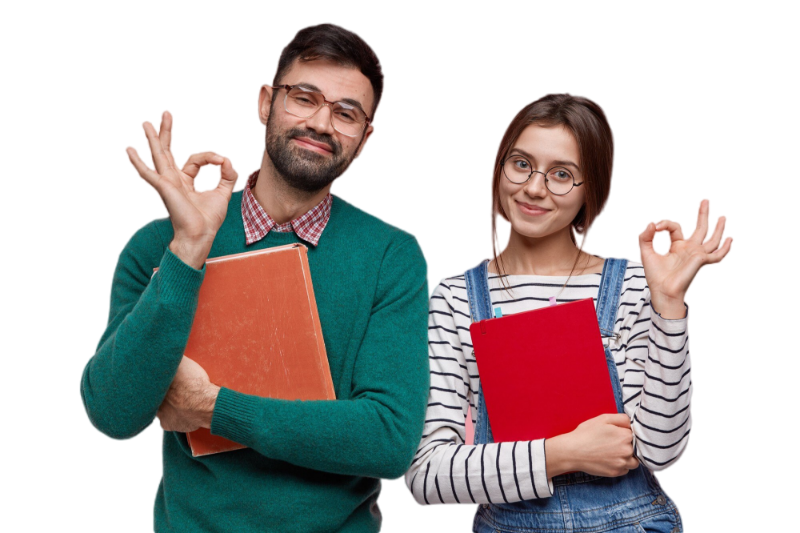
<point>257,331</point>
<point>543,372</point>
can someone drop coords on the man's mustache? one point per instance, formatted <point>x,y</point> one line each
<point>335,147</point>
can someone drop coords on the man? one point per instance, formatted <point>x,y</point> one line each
<point>310,465</point>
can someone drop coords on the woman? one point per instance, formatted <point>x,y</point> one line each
<point>552,178</point>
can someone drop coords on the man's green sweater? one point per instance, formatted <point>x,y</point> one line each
<point>311,465</point>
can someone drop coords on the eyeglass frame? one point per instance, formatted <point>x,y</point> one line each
<point>325,102</point>
<point>503,170</point>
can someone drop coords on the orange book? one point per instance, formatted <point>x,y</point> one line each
<point>257,331</point>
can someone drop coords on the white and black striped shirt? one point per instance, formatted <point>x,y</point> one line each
<point>652,356</point>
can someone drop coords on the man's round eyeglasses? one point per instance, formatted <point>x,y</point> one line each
<point>558,180</point>
<point>346,118</point>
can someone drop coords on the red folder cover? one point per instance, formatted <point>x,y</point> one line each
<point>543,372</point>
<point>257,331</point>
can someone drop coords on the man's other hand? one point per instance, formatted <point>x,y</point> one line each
<point>190,400</point>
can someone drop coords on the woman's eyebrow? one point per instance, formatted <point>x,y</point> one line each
<point>559,162</point>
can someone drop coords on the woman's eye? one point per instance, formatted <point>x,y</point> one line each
<point>561,175</point>
<point>521,164</point>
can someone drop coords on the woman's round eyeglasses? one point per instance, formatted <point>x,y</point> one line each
<point>558,180</point>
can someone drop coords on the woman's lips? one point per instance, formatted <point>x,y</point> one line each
<point>532,210</point>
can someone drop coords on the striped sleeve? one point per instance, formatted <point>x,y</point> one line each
<point>655,375</point>
<point>445,469</point>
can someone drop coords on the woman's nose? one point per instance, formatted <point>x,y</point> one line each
<point>536,185</point>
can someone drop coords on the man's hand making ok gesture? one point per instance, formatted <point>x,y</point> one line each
<point>196,216</point>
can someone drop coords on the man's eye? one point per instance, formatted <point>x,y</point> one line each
<point>302,100</point>
<point>346,116</point>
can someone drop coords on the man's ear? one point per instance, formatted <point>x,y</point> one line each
<point>364,140</point>
<point>264,103</point>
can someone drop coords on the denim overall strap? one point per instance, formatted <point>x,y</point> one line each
<point>480,307</point>
<point>607,304</point>
<point>608,295</point>
<point>480,303</point>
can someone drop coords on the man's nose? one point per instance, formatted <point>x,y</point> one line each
<point>321,121</point>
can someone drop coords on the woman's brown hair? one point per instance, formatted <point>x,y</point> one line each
<point>587,123</point>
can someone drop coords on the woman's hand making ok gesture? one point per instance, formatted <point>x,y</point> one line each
<point>670,275</point>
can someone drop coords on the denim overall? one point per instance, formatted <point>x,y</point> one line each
<point>581,502</point>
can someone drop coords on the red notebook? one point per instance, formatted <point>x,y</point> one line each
<point>543,372</point>
<point>257,331</point>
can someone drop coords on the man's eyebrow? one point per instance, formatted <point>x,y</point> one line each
<point>350,101</point>
<point>559,162</point>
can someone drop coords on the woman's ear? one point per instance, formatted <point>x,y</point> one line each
<point>579,222</point>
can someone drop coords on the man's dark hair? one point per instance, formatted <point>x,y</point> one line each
<point>333,43</point>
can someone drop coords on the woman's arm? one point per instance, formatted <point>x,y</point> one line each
<point>656,375</point>
<point>657,378</point>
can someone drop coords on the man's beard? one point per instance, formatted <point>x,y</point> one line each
<point>303,169</point>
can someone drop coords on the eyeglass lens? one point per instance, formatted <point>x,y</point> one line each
<point>345,118</point>
<point>558,180</point>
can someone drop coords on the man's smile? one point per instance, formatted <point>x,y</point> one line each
<point>315,146</point>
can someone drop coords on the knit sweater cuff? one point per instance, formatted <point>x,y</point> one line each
<point>179,283</point>
<point>233,416</point>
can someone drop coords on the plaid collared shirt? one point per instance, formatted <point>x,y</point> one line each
<point>257,223</point>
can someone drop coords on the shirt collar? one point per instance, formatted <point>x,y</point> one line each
<point>257,223</point>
